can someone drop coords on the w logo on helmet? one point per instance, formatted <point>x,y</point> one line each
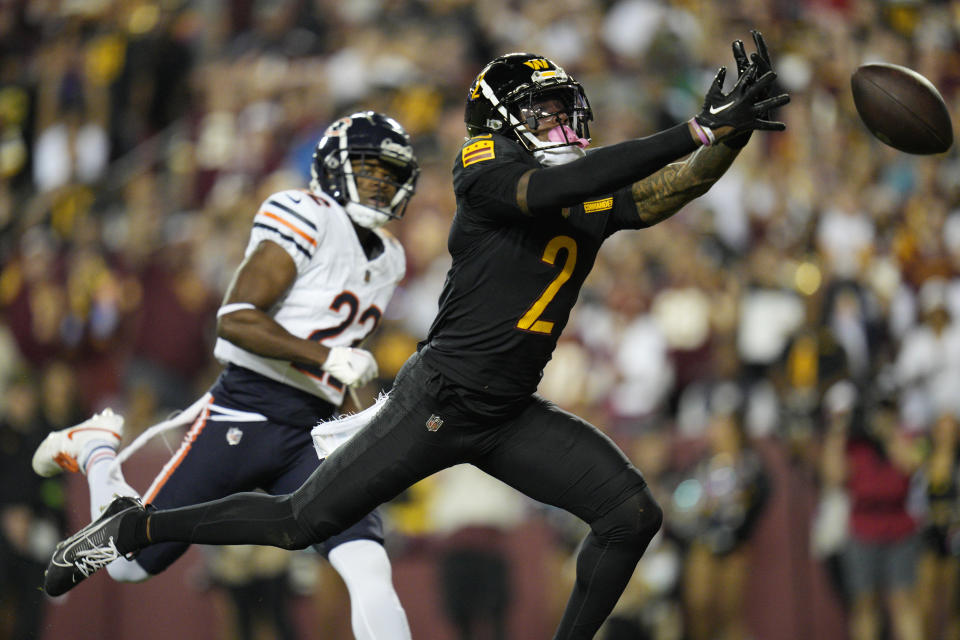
<point>539,63</point>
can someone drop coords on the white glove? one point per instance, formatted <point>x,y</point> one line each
<point>352,367</point>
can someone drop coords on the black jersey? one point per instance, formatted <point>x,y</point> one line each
<point>514,277</point>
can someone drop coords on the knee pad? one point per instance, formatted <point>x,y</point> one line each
<point>635,520</point>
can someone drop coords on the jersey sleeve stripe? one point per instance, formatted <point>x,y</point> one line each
<point>310,239</point>
<point>286,237</point>
<point>296,215</point>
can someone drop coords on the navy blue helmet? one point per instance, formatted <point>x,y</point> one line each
<point>340,156</point>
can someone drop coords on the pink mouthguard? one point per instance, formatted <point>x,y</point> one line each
<point>563,133</point>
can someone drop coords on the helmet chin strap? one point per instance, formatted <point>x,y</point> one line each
<point>364,216</point>
<point>572,149</point>
<point>555,156</point>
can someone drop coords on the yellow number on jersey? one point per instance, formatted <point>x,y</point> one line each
<point>531,319</point>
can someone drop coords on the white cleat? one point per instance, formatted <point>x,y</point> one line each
<point>69,449</point>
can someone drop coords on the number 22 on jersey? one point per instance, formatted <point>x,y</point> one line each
<point>349,300</point>
<point>531,319</point>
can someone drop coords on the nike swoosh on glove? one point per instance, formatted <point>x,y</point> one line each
<point>353,367</point>
<point>746,106</point>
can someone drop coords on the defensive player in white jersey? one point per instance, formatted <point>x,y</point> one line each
<point>317,275</point>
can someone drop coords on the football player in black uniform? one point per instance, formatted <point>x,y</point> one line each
<point>533,209</point>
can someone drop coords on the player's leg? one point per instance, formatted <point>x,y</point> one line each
<point>375,609</point>
<point>106,482</point>
<point>399,447</point>
<point>91,448</point>
<point>393,452</point>
<point>357,554</point>
<point>557,458</point>
<point>225,450</point>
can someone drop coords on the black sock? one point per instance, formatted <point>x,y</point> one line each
<point>603,570</point>
<point>131,534</point>
<point>242,518</point>
<point>606,561</point>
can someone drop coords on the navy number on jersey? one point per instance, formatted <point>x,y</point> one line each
<point>371,315</point>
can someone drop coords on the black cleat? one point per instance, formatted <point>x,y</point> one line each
<point>88,550</point>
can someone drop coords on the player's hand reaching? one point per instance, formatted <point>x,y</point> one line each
<point>748,104</point>
<point>742,109</point>
<point>761,60</point>
<point>353,367</point>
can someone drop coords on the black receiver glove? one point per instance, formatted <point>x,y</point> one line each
<point>761,60</point>
<point>742,108</point>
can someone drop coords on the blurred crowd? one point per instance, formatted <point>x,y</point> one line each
<point>810,301</point>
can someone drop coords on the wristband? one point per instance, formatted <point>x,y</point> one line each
<point>704,133</point>
<point>236,306</point>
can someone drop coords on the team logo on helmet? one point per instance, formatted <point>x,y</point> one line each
<point>537,63</point>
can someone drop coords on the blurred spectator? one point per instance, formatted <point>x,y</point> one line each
<point>31,511</point>
<point>172,332</point>
<point>874,458</point>
<point>928,362</point>
<point>72,115</point>
<point>830,531</point>
<point>257,582</point>
<point>845,235</point>
<point>60,396</point>
<point>939,567</point>
<point>714,509</point>
<point>136,137</point>
<point>770,314</point>
<point>474,512</point>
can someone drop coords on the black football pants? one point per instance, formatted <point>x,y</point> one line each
<point>543,451</point>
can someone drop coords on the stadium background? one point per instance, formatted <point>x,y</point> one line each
<point>137,139</point>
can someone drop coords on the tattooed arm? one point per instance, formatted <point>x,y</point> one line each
<point>662,194</point>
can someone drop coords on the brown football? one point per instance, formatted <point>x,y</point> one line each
<point>901,108</point>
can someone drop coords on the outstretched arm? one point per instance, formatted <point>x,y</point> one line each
<point>663,193</point>
<point>663,188</point>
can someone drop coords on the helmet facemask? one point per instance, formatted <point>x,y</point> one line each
<point>565,107</point>
<point>373,184</point>
<point>378,187</point>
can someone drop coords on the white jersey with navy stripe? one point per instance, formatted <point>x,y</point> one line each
<point>339,295</point>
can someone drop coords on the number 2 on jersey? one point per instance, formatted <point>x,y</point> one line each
<point>531,319</point>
